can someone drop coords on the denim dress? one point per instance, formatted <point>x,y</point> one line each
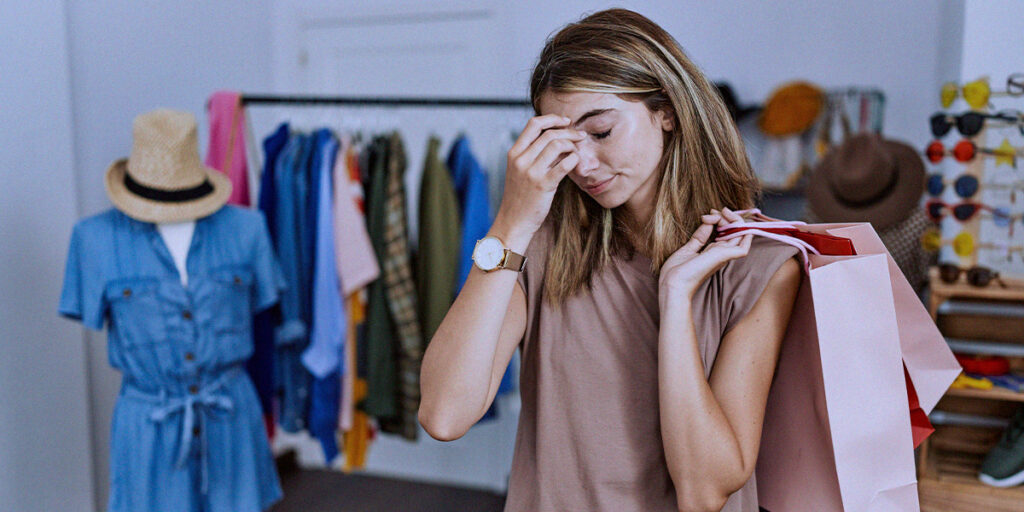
<point>187,433</point>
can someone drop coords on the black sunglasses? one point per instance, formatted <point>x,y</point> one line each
<point>976,276</point>
<point>971,123</point>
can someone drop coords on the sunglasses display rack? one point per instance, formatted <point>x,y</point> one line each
<point>976,295</point>
<point>975,187</point>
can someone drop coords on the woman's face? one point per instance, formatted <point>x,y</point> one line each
<point>620,154</point>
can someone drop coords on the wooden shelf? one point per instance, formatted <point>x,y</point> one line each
<point>948,461</point>
<point>962,493</point>
<point>995,393</point>
<point>942,291</point>
<point>1014,288</point>
<point>949,482</point>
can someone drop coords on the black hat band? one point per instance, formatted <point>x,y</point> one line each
<point>168,196</point>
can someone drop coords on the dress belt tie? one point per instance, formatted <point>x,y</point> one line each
<point>193,406</point>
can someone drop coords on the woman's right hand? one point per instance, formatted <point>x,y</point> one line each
<point>542,155</point>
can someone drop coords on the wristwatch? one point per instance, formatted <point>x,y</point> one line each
<point>491,254</point>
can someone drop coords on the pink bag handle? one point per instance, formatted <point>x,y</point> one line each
<point>767,222</point>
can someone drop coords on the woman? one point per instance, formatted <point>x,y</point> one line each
<point>646,361</point>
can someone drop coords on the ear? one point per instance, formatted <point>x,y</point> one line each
<point>666,120</point>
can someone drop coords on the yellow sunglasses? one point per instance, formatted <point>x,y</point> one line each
<point>978,92</point>
<point>963,244</point>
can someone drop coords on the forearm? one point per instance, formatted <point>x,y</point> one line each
<point>455,374</point>
<point>702,452</point>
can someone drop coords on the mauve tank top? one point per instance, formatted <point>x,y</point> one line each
<point>589,434</point>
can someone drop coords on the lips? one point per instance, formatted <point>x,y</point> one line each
<point>598,187</point>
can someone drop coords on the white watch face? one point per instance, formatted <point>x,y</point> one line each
<point>488,253</point>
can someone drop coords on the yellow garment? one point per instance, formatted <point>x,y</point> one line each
<point>356,441</point>
<point>348,380</point>
<point>963,382</point>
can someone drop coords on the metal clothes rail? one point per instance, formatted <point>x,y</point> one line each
<point>312,100</point>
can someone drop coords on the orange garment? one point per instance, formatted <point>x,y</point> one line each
<point>356,439</point>
<point>357,431</point>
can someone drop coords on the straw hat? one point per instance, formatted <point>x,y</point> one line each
<point>867,179</point>
<point>791,109</point>
<point>163,179</point>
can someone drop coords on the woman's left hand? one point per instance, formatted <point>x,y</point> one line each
<point>684,271</point>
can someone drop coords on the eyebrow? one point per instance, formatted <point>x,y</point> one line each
<point>592,113</point>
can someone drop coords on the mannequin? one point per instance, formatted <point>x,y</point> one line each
<point>182,355</point>
<point>178,237</point>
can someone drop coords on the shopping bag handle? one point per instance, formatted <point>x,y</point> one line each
<point>761,217</point>
<point>764,221</point>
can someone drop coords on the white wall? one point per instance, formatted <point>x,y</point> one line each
<point>131,57</point>
<point>44,416</point>
<point>993,40</point>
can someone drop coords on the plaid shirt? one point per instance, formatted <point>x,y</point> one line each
<point>401,293</point>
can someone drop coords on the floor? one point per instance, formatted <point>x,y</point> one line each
<point>321,490</point>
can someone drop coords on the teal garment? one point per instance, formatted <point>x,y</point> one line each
<point>187,433</point>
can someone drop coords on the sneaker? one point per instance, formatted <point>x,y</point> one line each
<point>1004,464</point>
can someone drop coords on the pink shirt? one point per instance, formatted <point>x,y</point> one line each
<point>226,150</point>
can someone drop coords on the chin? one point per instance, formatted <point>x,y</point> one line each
<point>606,203</point>
<point>609,200</point>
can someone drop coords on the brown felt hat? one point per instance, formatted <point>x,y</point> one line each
<point>867,179</point>
<point>163,180</point>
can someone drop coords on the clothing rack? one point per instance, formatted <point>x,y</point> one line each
<point>841,91</point>
<point>396,101</point>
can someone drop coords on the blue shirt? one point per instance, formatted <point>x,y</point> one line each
<point>293,334</point>
<point>323,358</point>
<point>186,432</point>
<point>288,239</point>
<point>261,365</point>
<point>474,205</point>
<point>328,330</point>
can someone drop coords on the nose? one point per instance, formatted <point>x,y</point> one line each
<point>588,161</point>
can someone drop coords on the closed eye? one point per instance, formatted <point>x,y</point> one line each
<point>602,135</point>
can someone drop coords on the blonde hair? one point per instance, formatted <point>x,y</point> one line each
<point>704,164</point>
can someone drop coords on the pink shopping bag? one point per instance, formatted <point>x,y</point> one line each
<point>837,435</point>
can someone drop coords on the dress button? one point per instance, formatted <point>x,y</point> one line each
<point>193,389</point>
<point>195,431</point>
<point>189,356</point>
<point>238,280</point>
<point>187,315</point>
<point>127,292</point>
